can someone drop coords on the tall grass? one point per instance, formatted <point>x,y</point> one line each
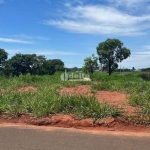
<point>135,84</point>
<point>46,100</point>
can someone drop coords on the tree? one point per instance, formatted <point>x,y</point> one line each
<point>47,68</point>
<point>3,56</point>
<point>74,69</point>
<point>90,64</point>
<point>112,52</point>
<point>133,69</point>
<point>59,65</point>
<point>23,64</point>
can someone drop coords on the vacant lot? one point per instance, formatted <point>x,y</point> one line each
<point>49,101</point>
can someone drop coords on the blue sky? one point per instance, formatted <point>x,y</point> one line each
<point>70,30</point>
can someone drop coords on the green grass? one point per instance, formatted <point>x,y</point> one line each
<point>131,83</point>
<point>46,100</point>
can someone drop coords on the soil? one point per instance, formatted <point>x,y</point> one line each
<point>116,99</point>
<point>26,89</point>
<point>66,121</point>
<point>78,90</point>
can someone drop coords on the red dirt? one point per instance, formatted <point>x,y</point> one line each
<point>66,121</point>
<point>112,98</point>
<point>110,124</point>
<point>26,89</point>
<point>79,90</point>
<point>118,99</point>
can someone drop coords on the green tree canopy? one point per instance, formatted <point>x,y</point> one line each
<point>29,63</point>
<point>23,64</point>
<point>112,52</point>
<point>59,65</point>
<point>47,68</point>
<point>3,56</point>
<point>90,64</point>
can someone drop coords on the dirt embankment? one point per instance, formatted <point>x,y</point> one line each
<point>66,121</point>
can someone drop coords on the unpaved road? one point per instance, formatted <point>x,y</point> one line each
<point>16,137</point>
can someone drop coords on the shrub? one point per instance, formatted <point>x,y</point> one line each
<point>145,76</point>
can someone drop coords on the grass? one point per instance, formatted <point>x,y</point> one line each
<point>46,100</point>
<point>134,84</point>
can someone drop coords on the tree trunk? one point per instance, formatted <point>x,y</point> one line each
<point>109,68</point>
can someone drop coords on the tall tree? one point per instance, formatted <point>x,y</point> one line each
<point>90,64</point>
<point>47,68</point>
<point>59,65</point>
<point>23,64</point>
<point>133,69</point>
<point>112,52</point>
<point>3,56</point>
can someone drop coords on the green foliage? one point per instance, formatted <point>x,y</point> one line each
<point>146,69</point>
<point>145,76</point>
<point>48,67</point>
<point>90,64</point>
<point>46,100</point>
<point>132,84</point>
<point>133,69</point>
<point>23,64</point>
<point>59,65</point>
<point>110,53</point>
<point>3,56</point>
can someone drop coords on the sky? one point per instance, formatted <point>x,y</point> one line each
<point>71,30</point>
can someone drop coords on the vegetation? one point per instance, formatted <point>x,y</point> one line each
<point>145,76</point>
<point>46,100</point>
<point>30,70</point>
<point>131,83</point>
<point>110,53</point>
<point>28,63</point>
<point>90,64</point>
<point>3,56</point>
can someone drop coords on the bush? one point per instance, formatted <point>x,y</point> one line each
<point>145,76</point>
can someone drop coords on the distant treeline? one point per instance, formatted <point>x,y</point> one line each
<point>28,63</point>
<point>73,69</point>
<point>145,69</point>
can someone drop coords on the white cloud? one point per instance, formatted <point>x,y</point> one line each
<point>24,36</point>
<point>11,40</point>
<point>49,52</point>
<point>43,52</point>
<point>147,47</point>
<point>138,60</point>
<point>97,19</point>
<point>129,3</point>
